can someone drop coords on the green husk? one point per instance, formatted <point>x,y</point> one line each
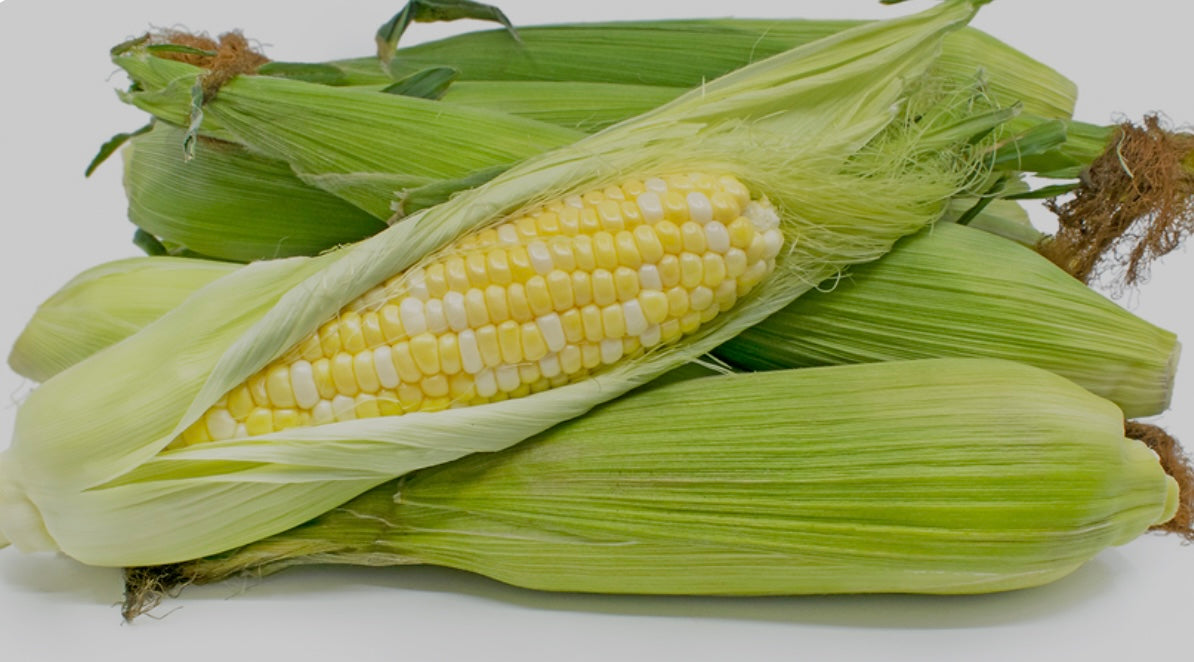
<point>942,476</point>
<point>840,135</point>
<point>103,306</point>
<point>952,291</point>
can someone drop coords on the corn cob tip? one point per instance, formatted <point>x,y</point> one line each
<point>1178,515</point>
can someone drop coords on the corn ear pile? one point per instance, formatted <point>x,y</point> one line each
<point>454,247</point>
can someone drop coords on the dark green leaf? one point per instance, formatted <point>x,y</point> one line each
<point>148,243</point>
<point>1045,192</point>
<point>430,11</point>
<point>109,148</point>
<point>179,48</point>
<point>429,83</point>
<point>324,74</point>
<point>429,195</point>
<point>126,46</point>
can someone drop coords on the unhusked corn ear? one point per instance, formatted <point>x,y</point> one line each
<point>538,300</point>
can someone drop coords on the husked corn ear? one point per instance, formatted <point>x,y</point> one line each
<point>536,301</point>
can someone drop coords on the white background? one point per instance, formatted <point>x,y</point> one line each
<point>58,106</point>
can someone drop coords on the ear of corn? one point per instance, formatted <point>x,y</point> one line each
<point>957,291</point>
<point>817,131</point>
<point>906,477</point>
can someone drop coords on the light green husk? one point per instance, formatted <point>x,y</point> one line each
<point>368,164</point>
<point>956,291</point>
<point>833,133</point>
<point>941,476</point>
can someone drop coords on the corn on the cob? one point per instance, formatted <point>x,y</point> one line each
<point>841,136</point>
<point>936,476</point>
<point>538,301</point>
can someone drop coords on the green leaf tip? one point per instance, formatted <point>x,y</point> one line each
<point>431,11</point>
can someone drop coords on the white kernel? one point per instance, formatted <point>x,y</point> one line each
<point>470,352</point>
<point>549,365</point>
<point>553,332</point>
<point>763,217</point>
<point>611,350</point>
<point>773,241</point>
<point>344,408</point>
<point>437,322</point>
<point>651,206</point>
<point>220,424</point>
<point>322,412</point>
<point>699,207</point>
<point>700,298</point>
<point>540,257</point>
<point>455,311</point>
<point>651,336</point>
<point>486,384</point>
<point>383,363</point>
<point>636,322</point>
<point>416,284</point>
<point>302,381</point>
<point>648,277</point>
<point>508,378</point>
<point>656,185</point>
<point>414,321</point>
<point>717,237</point>
<point>507,234</point>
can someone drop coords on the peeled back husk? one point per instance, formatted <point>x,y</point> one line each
<point>935,476</point>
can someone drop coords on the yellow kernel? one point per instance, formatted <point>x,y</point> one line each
<point>436,278</point>
<point>690,322</point>
<point>278,388</point>
<point>461,387</point>
<point>240,402</point>
<point>258,390</point>
<point>613,193</point>
<point>709,313</point>
<point>726,295</point>
<point>582,250</point>
<point>559,286</point>
<point>725,207</point>
<point>610,213</point>
<point>286,418</point>
<point>669,270</point>
<point>604,250</point>
<point>539,297</point>
<point>526,227</point>
<point>633,188</point>
<point>691,270</point>
<point>321,372</point>
<point>410,397</point>
<point>590,222</point>
<point>646,240</point>
<point>570,362</point>
<point>497,306</point>
<point>260,421</point>
<point>498,265</point>
<point>675,207</point>
<point>488,345</point>
<point>560,249</point>
<point>574,329</point>
<point>693,236</point>
<point>388,404</point>
<point>343,376</point>
<point>681,183</point>
<point>626,283</point>
<point>436,404</point>
<point>655,305</point>
<point>519,306</point>
<point>714,268</point>
<point>436,386</point>
<point>456,274</point>
<point>627,250</point>
<point>391,323</point>
<point>590,317</point>
<point>329,338</point>
<point>700,298</point>
<point>569,220</point>
<point>404,363</point>
<point>475,267</point>
<point>757,249</point>
<point>605,291</point>
<point>196,433</point>
<point>669,237</point>
<point>529,373</point>
<point>703,182</point>
<point>593,198</point>
<point>520,264</point>
<point>677,302</point>
<point>476,310</point>
<point>424,348</point>
<point>365,370</point>
<point>735,188</point>
<point>371,329</point>
<point>548,223</point>
<point>631,215</point>
<point>533,345</point>
<point>449,354</point>
<point>613,321</point>
<point>669,331</point>
<point>510,341</point>
<point>631,345</point>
